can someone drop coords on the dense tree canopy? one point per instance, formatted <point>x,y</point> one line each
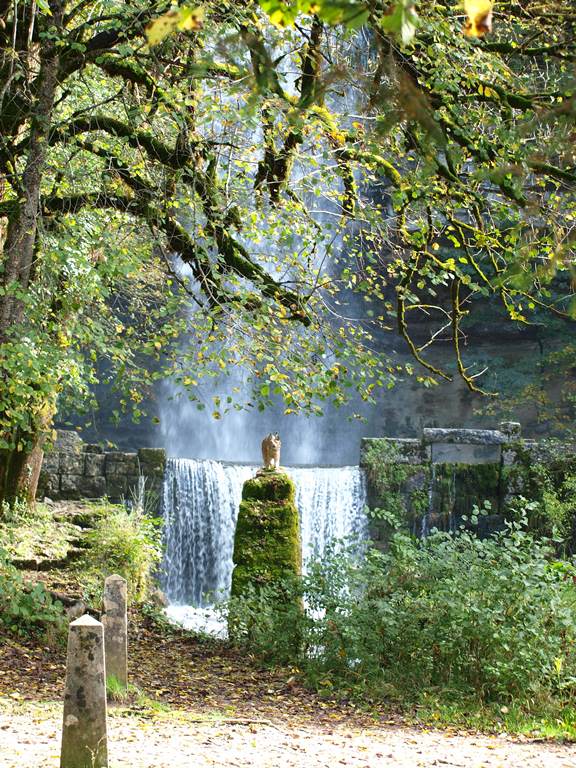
<point>282,187</point>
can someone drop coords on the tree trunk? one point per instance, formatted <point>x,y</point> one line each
<point>19,473</point>
<point>20,466</point>
<point>21,460</point>
<point>19,248</point>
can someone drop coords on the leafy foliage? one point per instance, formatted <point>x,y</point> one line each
<point>25,609</point>
<point>550,510</point>
<point>124,543</point>
<point>280,196</point>
<point>267,619</point>
<point>494,619</point>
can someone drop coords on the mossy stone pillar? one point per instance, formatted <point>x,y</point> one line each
<point>267,547</point>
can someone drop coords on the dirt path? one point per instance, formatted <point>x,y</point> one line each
<point>30,734</point>
<point>199,704</point>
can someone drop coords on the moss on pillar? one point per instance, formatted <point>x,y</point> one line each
<point>267,548</point>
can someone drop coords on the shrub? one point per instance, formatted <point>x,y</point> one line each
<point>26,609</point>
<point>126,543</point>
<point>551,489</point>
<point>493,618</point>
<point>269,620</point>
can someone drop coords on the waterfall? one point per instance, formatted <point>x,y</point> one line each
<point>331,502</point>
<point>200,507</point>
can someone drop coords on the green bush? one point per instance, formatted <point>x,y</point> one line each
<point>494,619</point>
<point>126,543</point>
<point>268,620</point>
<point>26,609</point>
<point>551,489</point>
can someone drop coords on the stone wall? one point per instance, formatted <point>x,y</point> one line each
<point>77,470</point>
<point>436,481</point>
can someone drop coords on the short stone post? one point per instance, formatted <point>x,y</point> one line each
<point>115,621</point>
<point>84,738</point>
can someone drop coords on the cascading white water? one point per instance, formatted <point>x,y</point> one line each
<point>200,505</point>
<point>332,503</point>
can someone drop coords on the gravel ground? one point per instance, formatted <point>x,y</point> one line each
<point>30,736</point>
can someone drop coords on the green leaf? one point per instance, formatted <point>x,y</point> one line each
<point>401,23</point>
<point>348,12</point>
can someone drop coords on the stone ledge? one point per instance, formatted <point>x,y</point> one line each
<point>464,436</point>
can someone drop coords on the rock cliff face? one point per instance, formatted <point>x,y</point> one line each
<point>77,470</point>
<point>267,547</point>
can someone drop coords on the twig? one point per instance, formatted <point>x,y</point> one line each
<point>235,721</point>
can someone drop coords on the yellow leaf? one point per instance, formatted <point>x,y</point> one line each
<point>191,18</point>
<point>161,27</point>
<point>479,21</point>
<point>186,18</point>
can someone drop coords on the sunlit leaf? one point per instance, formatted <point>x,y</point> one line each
<point>185,19</point>
<point>401,21</point>
<point>479,21</point>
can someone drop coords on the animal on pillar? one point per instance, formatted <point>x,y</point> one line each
<point>271,451</point>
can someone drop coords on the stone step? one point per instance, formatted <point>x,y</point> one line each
<point>34,564</point>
